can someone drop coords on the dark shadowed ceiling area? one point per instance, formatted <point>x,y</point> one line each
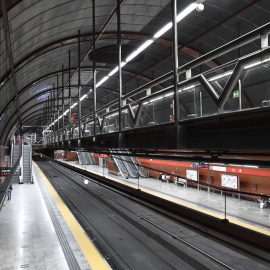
<point>37,37</point>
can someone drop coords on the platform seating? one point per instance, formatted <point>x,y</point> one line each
<point>180,181</point>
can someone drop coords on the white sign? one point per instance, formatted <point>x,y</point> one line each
<point>192,174</point>
<point>218,168</point>
<point>229,181</point>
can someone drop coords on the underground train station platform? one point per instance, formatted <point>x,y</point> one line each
<point>39,232</point>
<point>242,212</point>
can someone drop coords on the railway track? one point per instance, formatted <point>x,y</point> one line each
<point>130,236</point>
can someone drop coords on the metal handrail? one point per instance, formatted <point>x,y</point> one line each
<point>260,32</point>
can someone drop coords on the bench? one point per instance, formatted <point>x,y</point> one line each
<point>180,181</point>
<point>165,178</point>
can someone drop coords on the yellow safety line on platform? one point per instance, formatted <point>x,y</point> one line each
<point>95,260</point>
<point>180,202</point>
<point>207,212</point>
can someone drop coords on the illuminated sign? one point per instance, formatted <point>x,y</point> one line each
<point>5,171</point>
<point>200,165</point>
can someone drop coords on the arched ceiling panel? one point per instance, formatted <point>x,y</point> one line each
<point>42,33</point>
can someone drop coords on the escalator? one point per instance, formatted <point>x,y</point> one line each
<point>127,165</point>
<point>80,158</point>
<point>142,173</point>
<point>86,158</point>
<point>91,158</point>
<point>117,160</point>
<point>131,168</point>
<point>27,163</point>
<point>15,156</point>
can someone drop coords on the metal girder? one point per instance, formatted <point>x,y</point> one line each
<point>66,70</point>
<point>233,79</point>
<point>214,135</point>
<point>10,54</point>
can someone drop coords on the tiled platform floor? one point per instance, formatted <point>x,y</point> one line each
<point>28,238</point>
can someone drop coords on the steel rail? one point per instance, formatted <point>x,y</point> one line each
<point>148,220</point>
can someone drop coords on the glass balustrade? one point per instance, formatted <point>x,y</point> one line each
<point>111,123</point>
<point>75,133</point>
<point>156,111</point>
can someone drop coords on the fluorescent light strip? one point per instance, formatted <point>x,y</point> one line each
<point>226,74</point>
<point>75,104</point>
<point>179,17</point>
<point>186,11</point>
<point>146,44</point>
<point>83,97</point>
<point>102,81</point>
<point>139,50</point>
<point>187,88</point>
<point>169,94</point>
<point>256,64</point>
<point>113,71</point>
<point>158,98</point>
<point>163,30</point>
<point>155,99</point>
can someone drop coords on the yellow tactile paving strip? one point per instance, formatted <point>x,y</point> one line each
<point>95,260</point>
<point>207,212</point>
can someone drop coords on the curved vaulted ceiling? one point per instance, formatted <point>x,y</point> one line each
<point>37,37</point>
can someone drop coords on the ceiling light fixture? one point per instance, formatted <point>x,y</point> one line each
<point>83,97</point>
<point>147,43</point>
<point>226,74</point>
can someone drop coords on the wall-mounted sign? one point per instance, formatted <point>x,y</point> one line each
<point>192,175</point>
<point>229,181</point>
<point>200,165</point>
<point>218,168</point>
<point>5,171</point>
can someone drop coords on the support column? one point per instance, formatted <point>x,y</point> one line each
<point>69,94</point>
<point>94,67</point>
<point>119,46</point>
<point>58,121</point>
<point>47,109</point>
<point>240,94</point>
<point>53,108</point>
<point>63,96</point>
<point>79,83</point>
<point>175,66</point>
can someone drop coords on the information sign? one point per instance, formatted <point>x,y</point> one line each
<point>5,171</point>
<point>200,165</point>
<point>229,181</point>
<point>236,94</point>
<point>192,175</point>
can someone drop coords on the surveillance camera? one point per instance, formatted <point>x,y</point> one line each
<point>200,7</point>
